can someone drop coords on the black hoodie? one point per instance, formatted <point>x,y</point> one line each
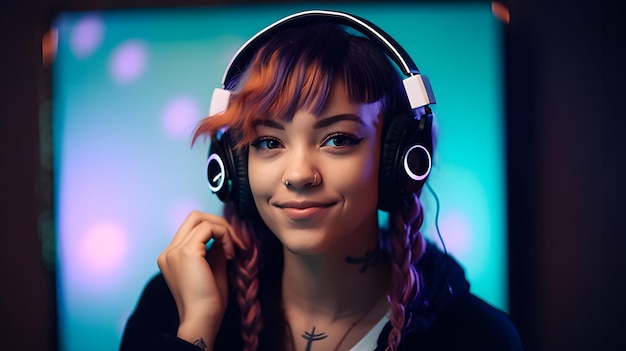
<point>445,316</point>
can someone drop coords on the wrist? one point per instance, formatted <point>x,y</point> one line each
<point>201,334</point>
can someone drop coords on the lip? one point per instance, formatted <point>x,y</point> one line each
<point>303,209</point>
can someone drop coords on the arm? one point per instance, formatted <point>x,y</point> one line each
<point>189,299</point>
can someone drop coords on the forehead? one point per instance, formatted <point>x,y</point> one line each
<point>338,102</point>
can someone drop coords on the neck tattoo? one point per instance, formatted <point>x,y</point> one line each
<point>310,337</point>
<point>370,258</point>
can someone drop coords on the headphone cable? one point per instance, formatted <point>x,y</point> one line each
<point>437,208</point>
<point>443,244</point>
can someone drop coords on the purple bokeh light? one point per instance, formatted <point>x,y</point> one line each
<point>87,36</point>
<point>180,117</point>
<point>458,229</point>
<point>103,247</point>
<point>128,61</point>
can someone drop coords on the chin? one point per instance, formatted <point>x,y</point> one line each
<point>304,243</point>
<point>303,251</point>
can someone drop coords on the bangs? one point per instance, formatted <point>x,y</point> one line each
<point>279,87</point>
<point>295,70</point>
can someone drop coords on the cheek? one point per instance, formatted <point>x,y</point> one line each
<point>260,177</point>
<point>359,176</point>
<point>265,181</point>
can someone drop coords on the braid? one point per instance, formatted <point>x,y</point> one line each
<point>245,280</point>
<point>407,246</point>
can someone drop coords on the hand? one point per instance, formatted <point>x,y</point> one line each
<point>199,283</point>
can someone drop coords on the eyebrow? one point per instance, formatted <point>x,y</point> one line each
<point>268,123</point>
<point>319,124</point>
<point>337,118</point>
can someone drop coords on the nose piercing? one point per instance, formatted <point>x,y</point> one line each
<point>313,183</point>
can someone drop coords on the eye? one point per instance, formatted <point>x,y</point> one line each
<point>266,143</point>
<point>341,140</point>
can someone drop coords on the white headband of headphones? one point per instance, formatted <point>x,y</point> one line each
<point>416,86</point>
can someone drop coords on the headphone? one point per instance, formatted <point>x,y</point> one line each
<point>406,146</point>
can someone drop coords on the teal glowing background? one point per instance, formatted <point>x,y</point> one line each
<point>128,88</point>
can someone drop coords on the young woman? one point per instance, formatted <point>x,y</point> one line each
<point>312,135</point>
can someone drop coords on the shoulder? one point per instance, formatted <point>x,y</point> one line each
<point>156,293</point>
<point>155,317</point>
<point>447,316</point>
<point>469,323</point>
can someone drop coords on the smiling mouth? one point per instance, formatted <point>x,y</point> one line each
<point>303,205</point>
<point>303,210</point>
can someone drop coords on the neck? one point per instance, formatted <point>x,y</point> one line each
<point>338,284</point>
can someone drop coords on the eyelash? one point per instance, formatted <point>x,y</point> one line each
<point>350,140</point>
<point>261,143</point>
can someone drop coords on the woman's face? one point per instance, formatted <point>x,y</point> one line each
<point>340,150</point>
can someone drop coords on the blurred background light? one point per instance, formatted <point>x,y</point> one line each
<point>181,115</point>
<point>86,35</point>
<point>128,61</point>
<point>501,12</point>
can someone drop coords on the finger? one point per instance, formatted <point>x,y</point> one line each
<point>193,219</point>
<point>196,217</point>
<point>232,235</point>
<point>205,231</point>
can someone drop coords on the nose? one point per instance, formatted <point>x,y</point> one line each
<point>300,171</point>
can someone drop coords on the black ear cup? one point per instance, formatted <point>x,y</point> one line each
<point>218,170</point>
<point>245,201</point>
<point>227,173</point>
<point>405,160</point>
